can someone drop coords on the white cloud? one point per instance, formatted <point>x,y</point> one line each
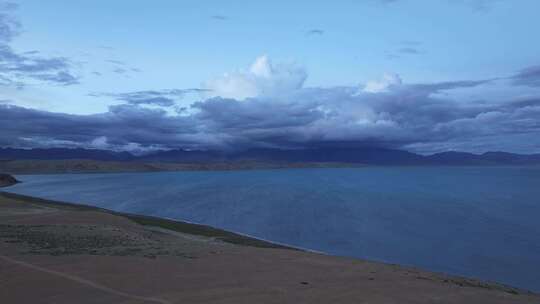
<point>281,113</point>
<point>388,81</point>
<point>262,79</point>
<point>102,143</point>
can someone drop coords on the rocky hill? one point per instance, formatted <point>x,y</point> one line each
<point>7,180</point>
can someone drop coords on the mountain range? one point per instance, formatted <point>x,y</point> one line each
<point>368,156</point>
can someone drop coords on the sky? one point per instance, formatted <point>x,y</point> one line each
<point>139,76</point>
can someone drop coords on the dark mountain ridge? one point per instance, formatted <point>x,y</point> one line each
<point>64,153</point>
<point>367,155</point>
<point>488,158</point>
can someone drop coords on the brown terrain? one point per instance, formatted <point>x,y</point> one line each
<point>97,166</point>
<point>7,180</point>
<point>61,253</point>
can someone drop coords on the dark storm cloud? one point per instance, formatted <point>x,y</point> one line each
<point>121,125</point>
<point>17,67</point>
<point>231,114</point>
<point>433,88</point>
<point>529,77</point>
<point>523,103</point>
<point>407,116</point>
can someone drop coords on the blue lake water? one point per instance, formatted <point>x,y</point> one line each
<point>471,221</point>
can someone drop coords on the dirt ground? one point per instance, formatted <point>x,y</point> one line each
<point>57,254</point>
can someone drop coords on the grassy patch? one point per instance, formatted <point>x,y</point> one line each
<point>179,226</point>
<point>203,230</point>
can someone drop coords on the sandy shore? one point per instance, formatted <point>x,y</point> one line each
<point>61,253</point>
<point>96,166</point>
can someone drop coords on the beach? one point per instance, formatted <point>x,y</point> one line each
<point>52,252</point>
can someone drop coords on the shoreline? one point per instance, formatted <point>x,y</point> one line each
<point>241,239</point>
<point>86,166</point>
<point>165,223</point>
<point>176,225</point>
<point>165,248</point>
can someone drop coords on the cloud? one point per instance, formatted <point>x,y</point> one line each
<point>407,47</point>
<point>163,98</point>
<point>121,125</point>
<point>315,32</point>
<point>528,77</point>
<point>262,79</point>
<point>435,88</point>
<point>117,62</point>
<point>219,17</point>
<point>385,113</point>
<point>17,68</point>
<point>9,26</point>
<point>385,1</point>
<point>477,5</point>
<point>388,81</point>
<point>409,50</point>
<point>119,70</point>
<point>121,67</point>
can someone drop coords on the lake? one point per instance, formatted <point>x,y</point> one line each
<point>481,222</point>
